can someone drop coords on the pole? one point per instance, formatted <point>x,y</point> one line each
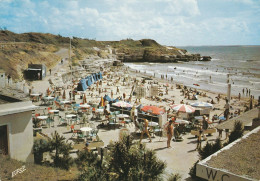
<point>229,92</point>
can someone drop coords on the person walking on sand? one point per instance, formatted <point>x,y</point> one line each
<point>169,130</point>
<point>239,96</point>
<point>111,93</point>
<point>199,140</point>
<point>145,130</point>
<point>50,71</point>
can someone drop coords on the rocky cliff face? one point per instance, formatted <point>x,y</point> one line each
<point>150,51</point>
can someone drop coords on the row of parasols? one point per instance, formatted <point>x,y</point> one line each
<point>178,108</point>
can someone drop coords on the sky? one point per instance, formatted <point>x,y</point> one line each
<point>169,22</point>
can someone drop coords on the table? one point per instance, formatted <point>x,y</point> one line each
<point>84,106</point>
<point>42,118</point>
<point>85,130</point>
<point>65,102</point>
<point>35,97</point>
<point>53,111</point>
<point>153,124</point>
<point>122,117</point>
<point>69,117</point>
<point>47,100</point>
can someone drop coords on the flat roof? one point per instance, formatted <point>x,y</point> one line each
<point>240,159</point>
<point>4,99</point>
<point>16,107</point>
<point>243,158</point>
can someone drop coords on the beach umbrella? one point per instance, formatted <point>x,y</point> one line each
<point>202,105</point>
<point>122,104</point>
<point>153,110</point>
<point>183,108</point>
<point>64,95</point>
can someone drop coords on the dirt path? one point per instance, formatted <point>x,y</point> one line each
<point>42,85</point>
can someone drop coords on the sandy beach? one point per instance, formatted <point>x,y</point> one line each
<point>181,156</point>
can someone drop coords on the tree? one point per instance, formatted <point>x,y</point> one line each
<point>174,177</point>
<point>39,147</point>
<point>131,161</point>
<point>126,161</point>
<point>61,147</point>
<point>237,132</point>
<point>91,166</point>
<point>210,148</point>
<point>206,151</point>
<point>217,145</point>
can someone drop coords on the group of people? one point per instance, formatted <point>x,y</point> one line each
<point>169,131</point>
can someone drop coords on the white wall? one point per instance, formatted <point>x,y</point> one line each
<point>20,134</point>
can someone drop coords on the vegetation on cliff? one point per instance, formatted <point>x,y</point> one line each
<point>18,50</point>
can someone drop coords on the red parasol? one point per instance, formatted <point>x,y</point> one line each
<point>153,110</point>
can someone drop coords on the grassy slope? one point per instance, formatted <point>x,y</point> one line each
<point>33,171</point>
<point>40,47</point>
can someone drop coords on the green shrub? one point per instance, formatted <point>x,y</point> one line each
<point>62,148</point>
<point>126,161</point>
<point>174,177</point>
<point>237,132</point>
<point>39,147</point>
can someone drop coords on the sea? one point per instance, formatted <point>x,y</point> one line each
<point>240,65</point>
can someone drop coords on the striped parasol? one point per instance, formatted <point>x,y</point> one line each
<point>183,108</point>
<point>122,104</point>
<point>202,105</point>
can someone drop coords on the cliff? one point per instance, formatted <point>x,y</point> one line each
<point>18,50</point>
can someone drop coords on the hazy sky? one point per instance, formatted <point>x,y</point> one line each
<point>170,22</point>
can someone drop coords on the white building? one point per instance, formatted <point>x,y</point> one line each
<point>16,129</point>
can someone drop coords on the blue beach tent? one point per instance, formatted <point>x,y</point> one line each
<point>89,80</point>
<point>94,77</point>
<point>97,76</point>
<point>100,75</point>
<point>82,86</point>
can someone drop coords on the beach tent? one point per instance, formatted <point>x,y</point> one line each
<point>100,75</point>
<point>82,86</point>
<point>89,81</point>
<point>94,77</point>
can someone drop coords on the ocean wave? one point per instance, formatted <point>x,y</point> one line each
<point>197,71</point>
